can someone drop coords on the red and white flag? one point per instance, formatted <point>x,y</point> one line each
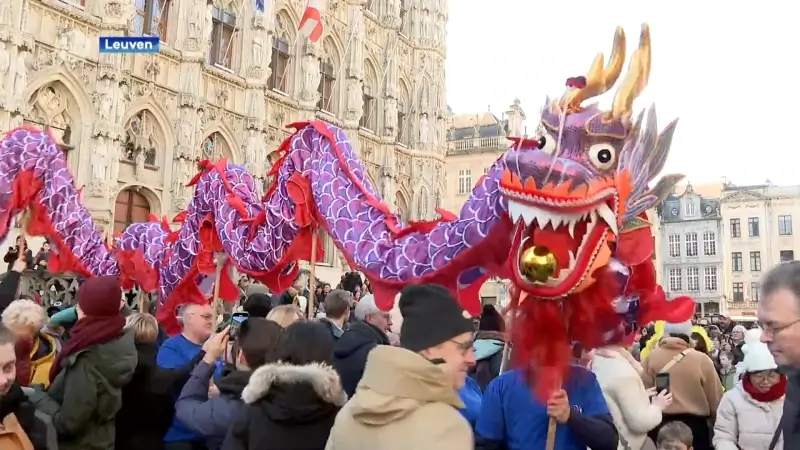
<point>311,24</point>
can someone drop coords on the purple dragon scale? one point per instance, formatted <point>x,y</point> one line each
<point>37,151</point>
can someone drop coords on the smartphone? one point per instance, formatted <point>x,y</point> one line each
<point>662,382</point>
<point>237,319</point>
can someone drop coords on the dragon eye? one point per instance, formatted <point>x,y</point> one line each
<point>547,144</point>
<point>603,156</point>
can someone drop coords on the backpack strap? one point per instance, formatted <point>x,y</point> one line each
<point>777,436</point>
<point>675,360</point>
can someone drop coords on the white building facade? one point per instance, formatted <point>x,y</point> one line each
<point>690,249</point>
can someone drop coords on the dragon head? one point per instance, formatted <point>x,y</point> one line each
<point>582,183</point>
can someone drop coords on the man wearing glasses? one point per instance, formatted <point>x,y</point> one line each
<point>779,317</point>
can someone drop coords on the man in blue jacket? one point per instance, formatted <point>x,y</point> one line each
<point>512,418</point>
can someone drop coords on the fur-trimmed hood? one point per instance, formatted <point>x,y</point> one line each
<point>294,393</point>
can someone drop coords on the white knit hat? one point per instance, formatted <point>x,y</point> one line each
<point>757,356</point>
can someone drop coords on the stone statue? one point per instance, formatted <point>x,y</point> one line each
<point>423,99</point>
<point>5,12</point>
<point>262,159</point>
<point>354,100</point>
<point>21,73</point>
<point>426,26</point>
<point>208,24</point>
<point>64,45</point>
<point>258,50</point>
<point>5,64</point>
<point>196,24</point>
<point>179,177</point>
<point>310,77</point>
<point>114,155</point>
<point>124,100</point>
<point>186,133</point>
<point>100,160</point>
<point>390,117</point>
<point>423,129</point>
<point>251,151</point>
<point>105,102</point>
<point>140,157</point>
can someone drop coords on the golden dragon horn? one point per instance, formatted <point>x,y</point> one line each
<point>600,79</point>
<point>636,79</point>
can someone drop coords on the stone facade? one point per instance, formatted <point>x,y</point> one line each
<point>690,252</point>
<point>758,233</point>
<point>227,79</point>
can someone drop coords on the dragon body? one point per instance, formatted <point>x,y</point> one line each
<point>570,204</point>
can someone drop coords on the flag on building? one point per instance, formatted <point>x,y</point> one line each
<point>311,24</point>
<point>260,6</point>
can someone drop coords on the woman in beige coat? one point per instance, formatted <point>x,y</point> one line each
<point>629,403</point>
<point>749,413</point>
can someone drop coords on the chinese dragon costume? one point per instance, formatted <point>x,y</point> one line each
<point>563,216</point>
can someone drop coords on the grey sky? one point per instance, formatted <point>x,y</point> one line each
<point>724,68</point>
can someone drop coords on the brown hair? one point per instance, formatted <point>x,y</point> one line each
<point>260,341</point>
<point>674,433</point>
<point>285,315</point>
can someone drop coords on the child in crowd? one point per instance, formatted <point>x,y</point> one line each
<point>675,436</point>
<point>727,372</point>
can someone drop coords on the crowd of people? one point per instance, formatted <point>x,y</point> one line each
<point>99,376</point>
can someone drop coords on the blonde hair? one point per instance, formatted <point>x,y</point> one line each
<point>24,314</point>
<point>144,326</point>
<point>285,315</point>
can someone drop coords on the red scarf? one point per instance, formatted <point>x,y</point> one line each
<point>774,393</point>
<point>87,332</point>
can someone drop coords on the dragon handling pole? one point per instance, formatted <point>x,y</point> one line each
<point>313,277</point>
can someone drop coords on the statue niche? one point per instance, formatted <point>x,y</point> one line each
<point>51,108</point>
<point>141,142</point>
<point>215,147</point>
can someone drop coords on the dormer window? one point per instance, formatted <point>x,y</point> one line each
<point>689,209</point>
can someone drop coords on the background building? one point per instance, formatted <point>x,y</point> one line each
<point>690,256</point>
<point>227,79</point>
<point>758,233</point>
<point>474,142</point>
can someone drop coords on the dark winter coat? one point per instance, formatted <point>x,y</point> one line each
<point>15,402</point>
<point>86,395</point>
<point>351,350</point>
<point>207,417</point>
<point>287,407</point>
<point>151,394</point>
<point>790,423</point>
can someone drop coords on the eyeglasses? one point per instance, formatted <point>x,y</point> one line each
<point>775,330</point>
<point>763,377</point>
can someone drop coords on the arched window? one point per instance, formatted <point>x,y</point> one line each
<point>327,83</point>
<point>400,205</point>
<point>51,110</point>
<point>222,35</point>
<point>215,147</point>
<point>131,207</point>
<point>369,116</point>
<point>140,138</point>
<point>281,57</point>
<point>151,18</point>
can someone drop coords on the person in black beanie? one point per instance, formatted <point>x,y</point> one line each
<point>418,381</point>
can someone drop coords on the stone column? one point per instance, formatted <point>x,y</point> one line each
<point>109,102</point>
<point>354,83</point>
<point>255,147</point>
<point>194,39</point>
<point>15,62</point>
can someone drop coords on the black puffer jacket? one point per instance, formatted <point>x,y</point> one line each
<point>287,407</point>
<point>351,350</point>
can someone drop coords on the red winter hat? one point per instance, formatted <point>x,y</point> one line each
<point>100,296</point>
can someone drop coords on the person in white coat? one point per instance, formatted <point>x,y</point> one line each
<point>749,414</point>
<point>630,404</point>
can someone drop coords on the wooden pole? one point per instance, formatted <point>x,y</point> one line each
<point>216,306</point>
<point>22,252</point>
<point>313,277</point>
<point>551,434</point>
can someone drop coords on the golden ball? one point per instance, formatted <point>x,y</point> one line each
<point>538,264</point>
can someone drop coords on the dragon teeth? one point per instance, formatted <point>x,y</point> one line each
<point>605,212</point>
<point>546,218</point>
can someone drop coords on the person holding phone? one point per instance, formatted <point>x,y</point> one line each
<point>210,417</point>
<point>691,378</point>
